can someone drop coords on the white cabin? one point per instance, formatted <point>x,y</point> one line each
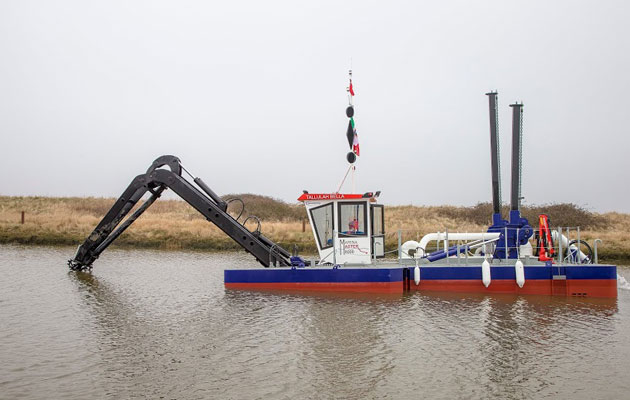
<point>348,228</point>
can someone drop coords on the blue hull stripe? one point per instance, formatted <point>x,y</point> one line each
<point>508,272</point>
<point>592,272</point>
<point>345,275</point>
<point>340,275</point>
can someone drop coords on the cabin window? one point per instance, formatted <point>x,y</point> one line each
<point>378,220</point>
<point>322,218</point>
<point>352,219</point>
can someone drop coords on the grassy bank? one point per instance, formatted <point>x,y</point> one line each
<point>173,224</point>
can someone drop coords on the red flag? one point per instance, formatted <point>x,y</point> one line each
<point>350,89</point>
<point>355,144</point>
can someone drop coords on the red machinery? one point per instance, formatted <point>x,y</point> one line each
<point>544,242</point>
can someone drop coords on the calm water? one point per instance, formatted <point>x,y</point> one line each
<point>161,325</point>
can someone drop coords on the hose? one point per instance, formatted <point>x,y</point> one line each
<point>228,201</point>
<point>589,256</point>
<point>257,220</point>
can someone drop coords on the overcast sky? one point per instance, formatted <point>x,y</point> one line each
<point>251,96</point>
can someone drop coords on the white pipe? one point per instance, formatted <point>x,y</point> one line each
<point>456,236</point>
<point>565,244</point>
<point>411,248</point>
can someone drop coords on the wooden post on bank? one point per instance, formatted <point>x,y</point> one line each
<point>303,224</point>
<point>22,217</point>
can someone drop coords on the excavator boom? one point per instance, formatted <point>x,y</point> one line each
<point>155,181</point>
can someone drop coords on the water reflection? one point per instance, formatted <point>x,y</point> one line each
<point>510,346</point>
<point>153,339</point>
<point>125,340</point>
<point>315,341</point>
<point>155,324</point>
<point>347,345</point>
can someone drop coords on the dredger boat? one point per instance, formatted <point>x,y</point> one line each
<point>349,231</point>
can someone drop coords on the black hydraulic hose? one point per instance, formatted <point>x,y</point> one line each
<point>257,220</point>
<point>228,201</point>
<point>589,256</point>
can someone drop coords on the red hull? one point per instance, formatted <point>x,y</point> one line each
<point>574,287</point>
<point>358,287</point>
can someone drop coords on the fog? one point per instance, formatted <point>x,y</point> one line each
<point>252,95</point>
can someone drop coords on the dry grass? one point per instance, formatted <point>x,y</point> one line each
<point>172,224</point>
<point>167,224</point>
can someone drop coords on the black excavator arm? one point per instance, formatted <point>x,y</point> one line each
<point>155,181</point>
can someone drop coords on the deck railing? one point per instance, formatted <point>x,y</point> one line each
<point>563,238</point>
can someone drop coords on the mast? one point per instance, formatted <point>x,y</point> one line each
<point>517,155</point>
<point>351,135</point>
<point>494,153</point>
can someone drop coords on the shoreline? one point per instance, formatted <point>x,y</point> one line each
<point>604,258</point>
<point>174,225</point>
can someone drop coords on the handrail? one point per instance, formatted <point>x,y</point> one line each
<point>595,242</point>
<point>573,237</point>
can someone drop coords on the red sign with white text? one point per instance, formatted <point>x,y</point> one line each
<point>329,196</point>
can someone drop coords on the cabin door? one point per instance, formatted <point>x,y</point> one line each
<point>352,244</point>
<point>378,230</point>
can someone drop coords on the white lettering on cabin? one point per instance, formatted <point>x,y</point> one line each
<point>350,247</point>
<point>332,196</point>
